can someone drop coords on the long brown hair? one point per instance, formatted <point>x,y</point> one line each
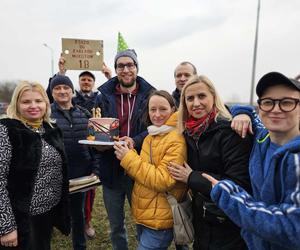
<point>163,94</point>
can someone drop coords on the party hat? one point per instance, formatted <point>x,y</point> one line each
<point>122,45</point>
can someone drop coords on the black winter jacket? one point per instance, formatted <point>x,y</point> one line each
<point>110,168</point>
<point>219,152</point>
<point>176,96</point>
<point>223,154</point>
<point>81,159</point>
<point>26,153</point>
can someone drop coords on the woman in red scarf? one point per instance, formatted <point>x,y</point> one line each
<point>215,149</point>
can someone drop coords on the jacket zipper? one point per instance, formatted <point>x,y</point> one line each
<point>204,211</point>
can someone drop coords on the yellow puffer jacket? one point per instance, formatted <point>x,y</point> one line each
<point>149,204</point>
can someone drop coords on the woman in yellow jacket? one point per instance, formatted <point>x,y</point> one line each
<point>163,145</point>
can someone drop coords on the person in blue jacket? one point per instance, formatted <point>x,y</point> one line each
<point>270,217</point>
<point>124,97</point>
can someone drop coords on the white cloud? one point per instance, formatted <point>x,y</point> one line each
<point>217,36</point>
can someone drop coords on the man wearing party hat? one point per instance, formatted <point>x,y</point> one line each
<point>122,45</point>
<point>124,97</point>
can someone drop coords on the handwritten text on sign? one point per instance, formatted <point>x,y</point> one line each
<point>82,54</point>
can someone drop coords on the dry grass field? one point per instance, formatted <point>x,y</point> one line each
<point>100,223</point>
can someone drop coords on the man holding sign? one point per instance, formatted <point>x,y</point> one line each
<point>79,54</point>
<point>82,54</point>
<point>85,97</point>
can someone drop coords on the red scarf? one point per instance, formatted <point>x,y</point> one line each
<point>195,127</point>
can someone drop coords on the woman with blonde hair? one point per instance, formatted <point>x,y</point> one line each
<point>33,172</point>
<point>212,147</point>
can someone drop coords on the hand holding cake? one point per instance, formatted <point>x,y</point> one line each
<point>120,150</point>
<point>128,140</point>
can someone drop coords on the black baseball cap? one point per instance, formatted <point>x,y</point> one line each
<point>87,73</point>
<point>275,78</point>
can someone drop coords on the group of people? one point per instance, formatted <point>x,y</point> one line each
<point>242,169</point>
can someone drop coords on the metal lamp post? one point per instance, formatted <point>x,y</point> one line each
<point>254,54</point>
<point>52,59</point>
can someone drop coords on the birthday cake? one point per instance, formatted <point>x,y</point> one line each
<point>102,128</point>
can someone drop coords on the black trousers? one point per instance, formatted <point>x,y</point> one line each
<point>224,236</point>
<point>39,235</point>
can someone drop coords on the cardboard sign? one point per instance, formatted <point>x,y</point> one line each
<point>82,54</point>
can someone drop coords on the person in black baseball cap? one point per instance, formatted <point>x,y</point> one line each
<point>89,73</point>
<point>275,78</point>
<point>278,102</point>
<point>269,217</point>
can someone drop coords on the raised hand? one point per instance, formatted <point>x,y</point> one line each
<point>61,65</point>
<point>106,71</point>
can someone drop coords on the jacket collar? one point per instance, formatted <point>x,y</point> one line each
<point>176,93</point>
<point>109,87</point>
<point>80,94</point>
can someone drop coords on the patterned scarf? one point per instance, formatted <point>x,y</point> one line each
<point>195,127</point>
<point>34,124</point>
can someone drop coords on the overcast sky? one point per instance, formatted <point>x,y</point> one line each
<point>216,35</point>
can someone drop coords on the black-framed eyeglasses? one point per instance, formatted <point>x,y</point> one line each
<point>285,104</point>
<point>121,66</point>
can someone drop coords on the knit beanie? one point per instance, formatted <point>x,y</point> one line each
<point>127,53</point>
<point>61,80</point>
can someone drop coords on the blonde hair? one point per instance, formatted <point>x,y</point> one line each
<point>183,114</point>
<point>12,109</point>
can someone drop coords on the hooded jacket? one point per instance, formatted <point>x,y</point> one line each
<point>152,180</point>
<point>270,219</point>
<point>110,169</point>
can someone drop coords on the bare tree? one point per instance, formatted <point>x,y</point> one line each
<point>6,90</point>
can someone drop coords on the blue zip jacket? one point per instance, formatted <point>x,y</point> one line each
<point>110,169</point>
<point>270,219</point>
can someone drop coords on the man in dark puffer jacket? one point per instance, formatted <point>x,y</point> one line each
<point>86,98</point>
<point>72,120</point>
